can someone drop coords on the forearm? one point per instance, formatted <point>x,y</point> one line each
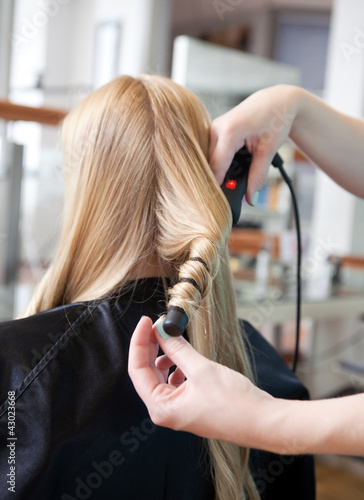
<point>333,140</point>
<point>333,426</point>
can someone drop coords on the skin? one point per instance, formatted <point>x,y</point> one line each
<point>198,396</point>
<point>263,121</point>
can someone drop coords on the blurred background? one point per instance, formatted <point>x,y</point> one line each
<point>54,52</point>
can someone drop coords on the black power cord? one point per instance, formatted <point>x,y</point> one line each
<point>278,163</point>
<point>234,188</point>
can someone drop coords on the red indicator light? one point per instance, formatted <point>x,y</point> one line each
<point>230,185</point>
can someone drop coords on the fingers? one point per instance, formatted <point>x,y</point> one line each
<point>177,377</point>
<point>150,381</point>
<point>142,354</point>
<point>224,143</point>
<point>147,373</point>
<point>164,363</point>
<point>140,343</point>
<point>182,354</point>
<point>258,173</point>
<point>221,160</point>
<point>251,123</point>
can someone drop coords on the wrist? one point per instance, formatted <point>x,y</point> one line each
<point>302,427</point>
<point>259,421</point>
<point>279,428</point>
<point>301,101</point>
<point>289,102</point>
<point>282,429</point>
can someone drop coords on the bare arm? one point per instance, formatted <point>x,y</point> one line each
<point>334,426</point>
<point>333,140</point>
<point>220,403</point>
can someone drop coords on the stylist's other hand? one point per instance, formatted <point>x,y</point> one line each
<point>262,122</point>
<point>201,396</point>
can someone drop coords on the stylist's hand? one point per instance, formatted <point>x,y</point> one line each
<point>262,122</point>
<point>213,401</point>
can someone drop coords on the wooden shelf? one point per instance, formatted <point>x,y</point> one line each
<point>242,241</point>
<point>17,112</point>
<point>352,261</point>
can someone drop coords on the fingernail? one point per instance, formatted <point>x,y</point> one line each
<point>255,198</point>
<point>159,327</point>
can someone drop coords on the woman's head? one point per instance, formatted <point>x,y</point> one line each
<point>138,186</point>
<point>141,200</point>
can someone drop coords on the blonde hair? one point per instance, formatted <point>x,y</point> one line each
<point>138,187</point>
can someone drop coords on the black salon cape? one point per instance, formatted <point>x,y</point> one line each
<point>82,432</point>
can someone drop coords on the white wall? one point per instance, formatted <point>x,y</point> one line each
<point>357,247</point>
<point>144,32</point>
<point>69,53</point>
<point>6,13</point>
<point>192,11</point>
<point>57,39</point>
<point>334,208</point>
<point>28,48</point>
<point>6,18</point>
<point>191,17</point>
<point>337,215</point>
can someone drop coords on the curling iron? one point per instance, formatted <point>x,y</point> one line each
<point>234,188</point>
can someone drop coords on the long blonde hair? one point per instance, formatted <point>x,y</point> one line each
<point>138,187</point>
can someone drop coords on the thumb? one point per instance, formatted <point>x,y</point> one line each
<point>179,351</point>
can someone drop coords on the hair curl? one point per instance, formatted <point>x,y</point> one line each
<point>140,195</point>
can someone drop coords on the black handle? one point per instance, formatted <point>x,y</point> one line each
<point>236,181</point>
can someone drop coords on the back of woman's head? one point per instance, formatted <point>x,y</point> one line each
<point>138,193</point>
